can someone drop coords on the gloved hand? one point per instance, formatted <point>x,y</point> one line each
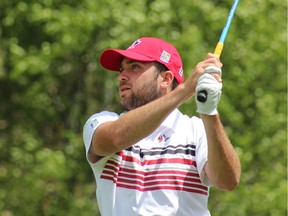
<point>213,88</point>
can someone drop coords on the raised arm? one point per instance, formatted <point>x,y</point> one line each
<point>223,166</point>
<point>111,137</point>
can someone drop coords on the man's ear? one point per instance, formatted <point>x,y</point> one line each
<point>166,79</point>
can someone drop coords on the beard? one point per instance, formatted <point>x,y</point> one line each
<point>141,96</point>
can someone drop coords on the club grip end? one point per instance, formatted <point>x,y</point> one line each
<point>202,96</point>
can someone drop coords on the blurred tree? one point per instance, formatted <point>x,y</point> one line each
<point>51,82</point>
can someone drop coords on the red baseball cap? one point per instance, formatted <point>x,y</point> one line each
<point>146,49</point>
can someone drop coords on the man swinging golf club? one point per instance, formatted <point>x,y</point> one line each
<point>152,159</point>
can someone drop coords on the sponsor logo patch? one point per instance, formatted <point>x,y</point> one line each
<point>94,123</point>
<point>165,56</point>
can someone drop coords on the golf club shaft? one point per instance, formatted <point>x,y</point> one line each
<point>202,95</point>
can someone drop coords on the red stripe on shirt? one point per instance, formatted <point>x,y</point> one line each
<point>181,180</point>
<point>159,161</point>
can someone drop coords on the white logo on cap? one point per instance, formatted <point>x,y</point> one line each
<point>165,56</point>
<point>137,42</point>
<point>180,72</point>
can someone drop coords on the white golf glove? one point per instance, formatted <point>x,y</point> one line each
<point>213,88</point>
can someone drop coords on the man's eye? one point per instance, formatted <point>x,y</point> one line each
<point>135,66</point>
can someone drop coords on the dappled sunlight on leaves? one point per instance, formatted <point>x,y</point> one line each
<point>51,82</point>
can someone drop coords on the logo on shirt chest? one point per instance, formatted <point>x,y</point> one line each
<point>163,138</point>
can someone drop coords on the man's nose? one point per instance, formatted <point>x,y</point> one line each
<point>123,76</point>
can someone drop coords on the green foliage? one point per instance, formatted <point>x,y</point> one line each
<point>51,82</point>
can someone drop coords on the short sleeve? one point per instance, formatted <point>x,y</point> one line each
<point>93,123</point>
<point>201,149</point>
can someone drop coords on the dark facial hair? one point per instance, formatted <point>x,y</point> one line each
<point>147,93</point>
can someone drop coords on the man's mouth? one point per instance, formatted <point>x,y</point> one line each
<point>124,88</point>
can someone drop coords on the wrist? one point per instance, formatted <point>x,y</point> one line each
<point>184,93</point>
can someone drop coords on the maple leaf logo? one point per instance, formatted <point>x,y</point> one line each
<point>163,137</point>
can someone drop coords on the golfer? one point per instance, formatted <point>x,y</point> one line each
<point>152,159</point>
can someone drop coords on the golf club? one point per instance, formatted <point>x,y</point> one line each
<point>202,95</point>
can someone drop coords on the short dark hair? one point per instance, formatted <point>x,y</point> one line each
<point>161,68</point>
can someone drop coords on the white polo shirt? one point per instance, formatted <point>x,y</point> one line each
<point>160,175</point>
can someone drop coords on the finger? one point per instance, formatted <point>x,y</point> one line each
<point>212,55</point>
<point>209,62</point>
<point>217,77</point>
<point>211,58</point>
<point>213,69</point>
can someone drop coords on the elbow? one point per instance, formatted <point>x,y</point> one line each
<point>106,140</point>
<point>230,184</point>
<point>231,179</point>
<point>110,147</point>
<point>105,146</point>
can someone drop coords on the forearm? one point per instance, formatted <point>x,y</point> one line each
<point>134,125</point>
<point>223,166</point>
